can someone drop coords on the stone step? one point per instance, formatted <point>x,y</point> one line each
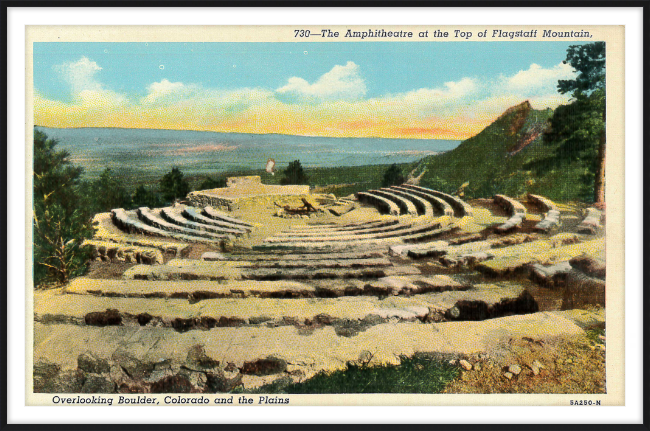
<point>334,233</point>
<point>196,291</point>
<point>128,221</point>
<point>550,222</point>
<point>76,359</point>
<point>423,206</point>
<point>441,205</point>
<point>506,261</point>
<point>218,215</point>
<point>153,219</point>
<point>175,216</point>
<point>313,256</point>
<point>382,204</point>
<point>544,203</point>
<point>511,205</point>
<point>344,227</point>
<point>193,214</point>
<point>178,269</point>
<point>108,251</point>
<point>461,208</point>
<point>401,230</point>
<point>481,302</point>
<point>591,222</point>
<point>404,204</point>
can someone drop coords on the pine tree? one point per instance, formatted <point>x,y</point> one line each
<point>578,129</point>
<point>393,176</point>
<point>60,221</point>
<point>173,185</point>
<point>294,174</point>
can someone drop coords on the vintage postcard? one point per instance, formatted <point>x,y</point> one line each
<point>398,215</point>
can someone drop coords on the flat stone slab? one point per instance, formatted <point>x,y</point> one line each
<point>212,256</point>
<point>196,312</point>
<point>192,290</point>
<point>63,349</point>
<point>506,262</point>
<point>106,250</point>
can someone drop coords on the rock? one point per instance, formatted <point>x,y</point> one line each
<point>452,362</point>
<point>90,363</point>
<point>44,376</point>
<point>477,367</point>
<point>109,317</point>
<point>514,369</point>
<point>535,368</point>
<point>508,375</point>
<point>175,384</point>
<point>264,367</point>
<point>466,365</point>
<point>211,256</point>
<point>97,384</point>
<point>198,360</point>
<point>538,364</point>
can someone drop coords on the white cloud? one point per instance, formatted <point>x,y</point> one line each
<point>163,91</point>
<point>340,83</point>
<point>80,75</point>
<point>537,78</point>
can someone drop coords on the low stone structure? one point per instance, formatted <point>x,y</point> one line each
<point>242,192</point>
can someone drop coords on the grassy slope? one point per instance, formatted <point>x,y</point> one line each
<point>485,163</point>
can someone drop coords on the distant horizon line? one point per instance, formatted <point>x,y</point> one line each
<point>251,133</point>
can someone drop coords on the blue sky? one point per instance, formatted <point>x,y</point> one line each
<point>366,71</point>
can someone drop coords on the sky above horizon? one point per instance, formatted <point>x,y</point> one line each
<point>422,90</point>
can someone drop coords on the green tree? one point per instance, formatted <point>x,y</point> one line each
<point>213,183</point>
<point>173,185</point>
<point>393,176</point>
<point>109,192</point>
<point>60,221</point>
<point>578,129</point>
<point>143,197</point>
<point>294,174</point>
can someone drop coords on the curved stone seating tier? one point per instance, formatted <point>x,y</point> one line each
<point>439,204</point>
<point>461,208</point>
<point>129,222</point>
<point>423,206</point>
<point>551,221</point>
<point>344,227</point>
<point>545,203</point>
<point>591,222</point>
<point>174,215</point>
<point>194,214</point>
<point>310,256</point>
<point>146,215</point>
<point>360,231</point>
<point>516,210</point>
<point>406,231</point>
<point>218,215</point>
<point>394,231</point>
<point>108,251</point>
<point>382,204</point>
<point>404,204</point>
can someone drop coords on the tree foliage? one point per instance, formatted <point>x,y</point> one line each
<point>294,174</point>
<point>143,197</point>
<point>393,176</point>
<point>60,221</point>
<point>577,130</point>
<point>173,185</point>
<point>213,183</point>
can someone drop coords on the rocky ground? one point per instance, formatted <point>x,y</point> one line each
<point>467,296</point>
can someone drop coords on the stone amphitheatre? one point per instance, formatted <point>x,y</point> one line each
<point>246,285</point>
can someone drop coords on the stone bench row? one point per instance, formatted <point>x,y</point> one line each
<point>383,205</point>
<point>331,233</point>
<point>516,210</point>
<point>423,206</point>
<point>148,216</point>
<point>310,229</point>
<point>552,214</point>
<point>128,221</point>
<point>460,207</point>
<point>218,215</point>
<point>399,230</point>
<point>591,222</point>
<point>108,251</point>
<point>405,205</point>
<point>175,216</point>
<point>436,202</point>
<point>194,214</point>
<point>196,291</point>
